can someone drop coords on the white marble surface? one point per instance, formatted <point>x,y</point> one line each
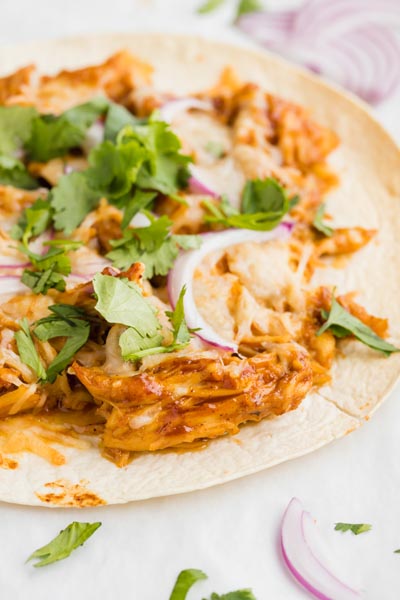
<point>229,531</point>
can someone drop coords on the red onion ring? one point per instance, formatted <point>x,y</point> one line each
<point>350,41</point>
<point>301,560</point>
<point>197,186</point>
<point>186,263</point>
<point>172,108</point>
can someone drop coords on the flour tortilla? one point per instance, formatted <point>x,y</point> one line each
<point>368,163</point>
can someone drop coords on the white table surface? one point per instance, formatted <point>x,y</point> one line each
<point>229,531</point>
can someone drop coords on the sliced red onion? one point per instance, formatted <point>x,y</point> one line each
<point>187,262</point>
<point>329,19</point>
<point>350,41</point>
<point>172,108</point>
<point>94,136</point>
<point>301,560</point>
<point>198,185</point>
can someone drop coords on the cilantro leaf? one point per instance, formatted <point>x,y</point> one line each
<point>114,168</point>
<point>27,351</point>
<point>397,551</point>
<point>355,528</point>
<point>135,346</point>
<point>185,580</point>
<point>13,172</point>
<point>210,6</point>
<point>139,201</point>
<point>152,245</point>
<point>50,267</point>
<point>165,168</point>
<point>248,6</point>
<point>265,196</point>
<point>66,321</point>
<point>64,543</point>
<point>343,324</point>
<point>319,224</point>
<point>121,301</point>
<point>264,204</point>
<point>117,118</point>
<point>238,595</point>
<point>15,127</point>
<point>54,136</point>
<point>34,221</point>
<point>177,317</point>
<point>72,199</point>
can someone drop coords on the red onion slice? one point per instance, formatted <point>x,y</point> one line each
<point>350,41</point>
<point>198,185</point>
<point>187,262</point>
<point>302,562</point>
<point>171,109</point>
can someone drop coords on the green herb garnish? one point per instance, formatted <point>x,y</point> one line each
<point>264,204</point>
<point>238,595</point>
<point>67,540</point>
<point>248,6</point>
<point>210,6</point>
<point>186,579</point>
<point>121,301</point>
<point>319,224</point>
<point>66,321</point>
<point>27,351</point>
<point>13,172</point>
<point>154,246</point>
<point>355,528</point>
<point>342,324</point>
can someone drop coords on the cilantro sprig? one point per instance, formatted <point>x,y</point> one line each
<point>264,204</point>
<point>121,301</point>
<point>153,245</point>
<point>68,540</point>
<point>66,321</point>
<point>187,578</point>
<point>355,528</point>
<point>343,324</point>
<point>49,269</point>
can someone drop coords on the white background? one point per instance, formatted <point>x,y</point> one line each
<point>229,531</point>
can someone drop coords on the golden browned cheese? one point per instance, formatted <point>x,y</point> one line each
<point>183,400</point>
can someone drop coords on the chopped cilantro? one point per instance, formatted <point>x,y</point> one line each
<point>13,172</point>
<point>185,580</point>
<point>210,6</point>
<point>34,221</point>
<point>238,595</point>
<point>319,224</point>
<point>121,301</point>
<point>117,118</point>
<point>264,204</point>
<point>15,127</point>
<point>355,528</point>
<point>53,136</point>
<point>65,321</point>
<point>27,351</point>
<point>153,245</point>
<point>342,324</point>
<point>49,268</point>
<point>64,543</point>
<point>397,551</point>
<point>72,199</point>
<point>248,6</point>
<point>139,201</point>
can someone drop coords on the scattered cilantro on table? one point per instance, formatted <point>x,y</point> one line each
<point>355,528</point>
<point>68,540</point>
